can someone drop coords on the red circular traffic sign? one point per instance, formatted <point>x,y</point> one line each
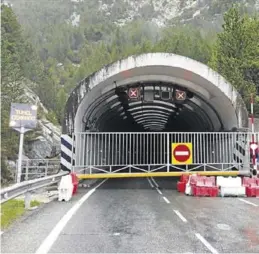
<point>182,153</point>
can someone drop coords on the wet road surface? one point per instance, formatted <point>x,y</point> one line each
<point>138,216</point>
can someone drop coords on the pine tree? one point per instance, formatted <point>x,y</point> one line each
<point>236,53</point>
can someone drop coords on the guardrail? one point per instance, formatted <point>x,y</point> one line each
<point>27,187</point>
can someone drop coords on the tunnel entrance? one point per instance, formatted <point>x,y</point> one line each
<point>151,101</point>
<point>150,106</point>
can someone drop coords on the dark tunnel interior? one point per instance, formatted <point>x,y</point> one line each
<point>148,107</point>
<point>153,108</point>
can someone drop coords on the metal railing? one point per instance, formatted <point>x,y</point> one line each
<point>149,151</point>
<point>26,187</point>
<point>37,168</point>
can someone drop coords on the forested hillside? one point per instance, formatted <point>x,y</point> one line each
<point>55,44</point>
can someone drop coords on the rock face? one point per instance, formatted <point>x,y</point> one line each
<point>46,144</point>
<point>46,141</point>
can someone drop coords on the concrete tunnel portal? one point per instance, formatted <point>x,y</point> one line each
<point>101,103</point>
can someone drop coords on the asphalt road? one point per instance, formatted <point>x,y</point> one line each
<point>137,216</point>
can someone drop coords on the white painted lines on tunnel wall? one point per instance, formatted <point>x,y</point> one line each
<point>180,216</point>
<point>206,243</point>
<point>54,234</point>
<point>248,202</point>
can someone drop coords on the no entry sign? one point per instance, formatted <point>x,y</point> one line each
<point>181,153</point>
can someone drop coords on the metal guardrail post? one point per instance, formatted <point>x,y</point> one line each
<point>27,200</point>
<point>46,168</point>
<point>27,171</point>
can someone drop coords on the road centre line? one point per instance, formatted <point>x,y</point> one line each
<point>54,234</point>
<point>180,216</point>
<point>159,191</point>
<point>248,202</point>
<point>155,182</point>
<point>152,186</point>
<point>166,200</point>
<point>206,243</point>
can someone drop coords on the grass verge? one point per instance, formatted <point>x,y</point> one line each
<point>12,210</point>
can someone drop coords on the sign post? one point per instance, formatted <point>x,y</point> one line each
<point>23,118</point>
<point>253,146</point>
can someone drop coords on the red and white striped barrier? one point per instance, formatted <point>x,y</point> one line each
<point>212,186</point>
<point>68,187</point>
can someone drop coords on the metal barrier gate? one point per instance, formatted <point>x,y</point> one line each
<point>92,153</point>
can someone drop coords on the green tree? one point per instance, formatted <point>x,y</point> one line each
<point>236,53</point>
<point>11,75</point>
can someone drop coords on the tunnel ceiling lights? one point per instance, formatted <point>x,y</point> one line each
<point>154,124</point>
<point>162,113</point>
<point>150,107</point>
<point>93,108</point>
<point>115,104</point>
<point>168,104</point>
<point>189,107</point>
<point>148,112</point>
<point>114,97</point>
<point>151,120</point>
<point>158,116</point>
<point>139,114</point>
<point>151,117</point>
<point>155,118</point>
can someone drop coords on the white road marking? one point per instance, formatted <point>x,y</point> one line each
<point>181,153</point>
<point>223,226</point>
<point>155,182</point>
<point>150,183</point>
<point>180,216</point>
<point>159,191</point>
<point>206,243</point>
<point>248,202</point>
<point>54,234</point>
<point>1,232</point>
<point>166,200</point>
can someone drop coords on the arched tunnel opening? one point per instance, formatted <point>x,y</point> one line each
<point>148,111</point>
<point>149,107</point>
<point>129,114</point>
